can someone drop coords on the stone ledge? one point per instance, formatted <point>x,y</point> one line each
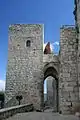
<point>7,112</point>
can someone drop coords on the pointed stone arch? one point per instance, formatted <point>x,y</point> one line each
<point>50,69</point>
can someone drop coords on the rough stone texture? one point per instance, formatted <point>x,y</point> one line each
<point>68,82</point>
<point>28,67</point>
<point>24,63</point>
<point>51,92</point>
<point>77,24</point>
<point>8,112</point>
<point>51,68</point>
<point>51,60</point>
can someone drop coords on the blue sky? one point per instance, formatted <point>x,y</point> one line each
<point>52,13</point>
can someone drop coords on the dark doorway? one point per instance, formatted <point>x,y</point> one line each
<point>50,90</point>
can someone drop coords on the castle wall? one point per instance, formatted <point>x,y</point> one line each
<point>52,60</point>
<point>68,82</point>
<point>51,68</point>
<point>51,92</point>
<point>24,71</point>
<point>77,23</point>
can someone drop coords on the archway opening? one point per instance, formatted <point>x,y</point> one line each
<point>50,89</point>
<point>50,93</point>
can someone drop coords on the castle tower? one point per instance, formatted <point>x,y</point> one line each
<point>68,82</point>
<point>25,58</point>
<point>77,23</point>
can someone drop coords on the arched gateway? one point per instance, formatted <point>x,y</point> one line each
<point>51,68</point>
<point>28,67</point>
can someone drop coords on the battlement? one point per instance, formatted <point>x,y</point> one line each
<point>68,27</point>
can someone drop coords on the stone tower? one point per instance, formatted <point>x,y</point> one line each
<point>77,24</point>
<point>28,66</point>
<point>24,71</point>
<point>68,81</point>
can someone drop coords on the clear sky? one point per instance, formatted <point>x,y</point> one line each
<point>52,13</point>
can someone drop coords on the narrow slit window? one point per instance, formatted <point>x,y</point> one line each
<point>28,43</point>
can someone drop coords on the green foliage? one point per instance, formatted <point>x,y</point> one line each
<point>1,96</point>
<point>11,28</point>
<point>19,98</point>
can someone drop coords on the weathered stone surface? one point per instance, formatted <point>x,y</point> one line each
<point>51,93</point>
<point>28,66</point>
<point>68,68</point>
<point>24,62</point>
<point>8,112</point>
<point>77,21</point>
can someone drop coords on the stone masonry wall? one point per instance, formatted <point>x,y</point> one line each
<point>77,23</point>
<point>68,82</point>
<point>51,92</point>
<point>50,88</point>
<point>24,71</point>
<point>9,112</point>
